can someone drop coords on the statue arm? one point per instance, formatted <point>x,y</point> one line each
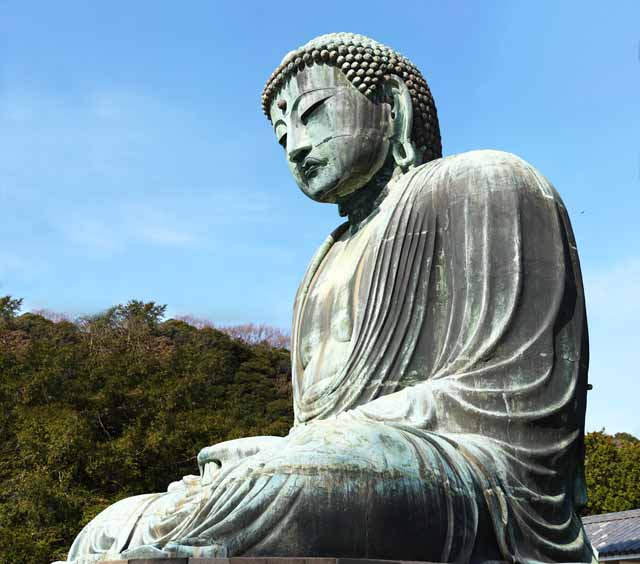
<point>413,406</point>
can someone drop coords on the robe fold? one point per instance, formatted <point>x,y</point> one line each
<point>452,429</point>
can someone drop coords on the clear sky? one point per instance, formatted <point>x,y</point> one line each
<point>135,161</point>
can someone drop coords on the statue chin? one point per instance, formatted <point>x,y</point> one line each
<point>320,189</point>
<point>330,187</point>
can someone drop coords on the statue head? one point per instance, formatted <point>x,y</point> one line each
<point>345,108</point>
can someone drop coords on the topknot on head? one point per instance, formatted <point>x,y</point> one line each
<point>366,64</point>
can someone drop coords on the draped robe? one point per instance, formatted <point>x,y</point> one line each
<point>446,420</point>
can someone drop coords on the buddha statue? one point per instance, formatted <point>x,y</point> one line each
<point>439,351</point>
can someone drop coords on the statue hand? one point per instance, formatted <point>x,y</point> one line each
<point>189,482</point>
<point>216,456</point>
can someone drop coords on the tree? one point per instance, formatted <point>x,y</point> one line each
<point>9,308</point>
<point>253,333</point>
<point>612,471</point>
<point>138,313</point>
<point>250,333</point>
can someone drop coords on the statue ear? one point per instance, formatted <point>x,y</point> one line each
<point>404,151</point>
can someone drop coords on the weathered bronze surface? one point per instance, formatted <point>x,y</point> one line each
<point>439,351</point>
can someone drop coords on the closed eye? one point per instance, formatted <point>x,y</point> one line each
<point>311,109</point>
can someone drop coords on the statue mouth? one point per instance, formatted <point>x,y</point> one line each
<point>311,166</point>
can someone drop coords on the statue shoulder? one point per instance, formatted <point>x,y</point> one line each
<point>481,173</point>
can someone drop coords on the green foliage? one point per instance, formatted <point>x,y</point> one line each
<point>9,308</point>
<point>612,469</point>
<point>115,405</point>
<point>626,437</point>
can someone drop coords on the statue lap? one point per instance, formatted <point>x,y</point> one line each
<point>337,487</point>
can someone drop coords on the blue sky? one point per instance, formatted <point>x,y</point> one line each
<point>135,162</point>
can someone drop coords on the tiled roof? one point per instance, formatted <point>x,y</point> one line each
<point>614,533</point>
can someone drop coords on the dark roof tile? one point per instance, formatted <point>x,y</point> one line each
<point>614,533</point>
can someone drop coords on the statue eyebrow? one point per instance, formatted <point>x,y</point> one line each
<point>328,90</point>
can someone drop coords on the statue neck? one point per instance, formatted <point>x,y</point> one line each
<point>363,204</point>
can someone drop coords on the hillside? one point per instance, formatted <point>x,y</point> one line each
<point>114,405</point>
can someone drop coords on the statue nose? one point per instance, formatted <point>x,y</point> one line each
<point>298,145</point>
<point>298,154</point>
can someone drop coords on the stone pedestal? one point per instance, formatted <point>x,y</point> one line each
<point>246,560</point>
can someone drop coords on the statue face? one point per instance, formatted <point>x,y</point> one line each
<point>334,137</point>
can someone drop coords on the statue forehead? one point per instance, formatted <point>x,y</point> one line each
<point>307,80</point>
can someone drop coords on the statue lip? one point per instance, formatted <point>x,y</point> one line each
<point>311,165</point>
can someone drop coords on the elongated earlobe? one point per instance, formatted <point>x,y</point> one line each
<point>403,149</point>
<point>404,154</point>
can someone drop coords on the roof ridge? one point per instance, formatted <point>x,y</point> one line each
<point>613,516</point>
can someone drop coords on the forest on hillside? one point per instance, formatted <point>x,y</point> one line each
<point>111,405</point>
